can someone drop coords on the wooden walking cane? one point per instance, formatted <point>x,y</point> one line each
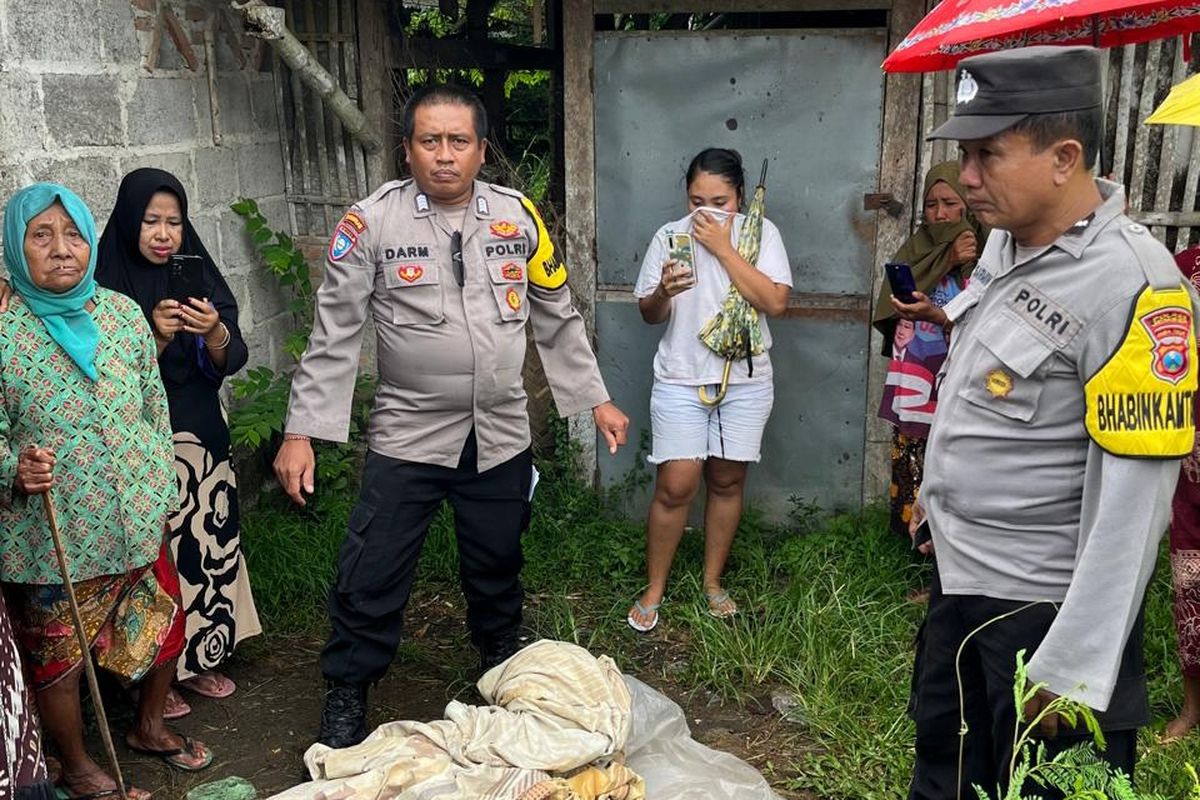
<point>84,648</point>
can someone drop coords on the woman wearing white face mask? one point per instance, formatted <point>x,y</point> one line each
<point>693,440</point>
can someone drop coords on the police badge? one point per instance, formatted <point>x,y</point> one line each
<point>1169,329</point>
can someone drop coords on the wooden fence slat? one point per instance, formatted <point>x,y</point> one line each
<point>1124,102</point>
<point>1170,136</point>
<point>358,158</point>
<point>1141,141</point>
<point>289,177</point>
<point>301,120</point>
<point>320,117</point>
<point>338,140</point>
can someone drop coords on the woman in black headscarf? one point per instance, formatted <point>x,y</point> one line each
<point>199,344</point>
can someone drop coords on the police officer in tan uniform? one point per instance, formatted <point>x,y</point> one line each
<point>451,270</point>
<point>1065,403</point>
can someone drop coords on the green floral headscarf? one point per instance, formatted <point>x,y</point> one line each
<point>64,314</point>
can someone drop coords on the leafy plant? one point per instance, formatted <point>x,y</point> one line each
<point>262,393</point>
<point>1078,773</point>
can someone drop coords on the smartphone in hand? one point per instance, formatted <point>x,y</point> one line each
<point>900,277</point>
<point>681,250</point>
<point>185,277</point>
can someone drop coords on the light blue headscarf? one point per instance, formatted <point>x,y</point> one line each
<point>64,315</point>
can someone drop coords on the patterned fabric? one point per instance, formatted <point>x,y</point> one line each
<point>908,464</point>
<point>918,350</point>
<point>214,583</point>
<point>1075,30</point>
<point>132,622</point>
<point>1185,561</point>
<point>734,332</point>
<point>21,762</point>
<point>114,487</point>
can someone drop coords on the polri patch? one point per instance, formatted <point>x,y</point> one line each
<point>505,229</point>
<point>1169,329</point>
<point>344,239</point>
<point>1044,315</point>
<point>513,298</point>
<point>512,271</point>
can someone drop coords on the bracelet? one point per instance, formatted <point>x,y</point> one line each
<point>224,342</point>
<point>296,437</point>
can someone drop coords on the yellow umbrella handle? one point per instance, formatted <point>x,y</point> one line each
<point>704,398</point>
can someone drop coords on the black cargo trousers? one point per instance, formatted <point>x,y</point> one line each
<point>379,555</point>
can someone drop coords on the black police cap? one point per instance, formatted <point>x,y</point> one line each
<point>998,90</point>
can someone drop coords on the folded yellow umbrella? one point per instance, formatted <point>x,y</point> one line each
<point>1182,106</point>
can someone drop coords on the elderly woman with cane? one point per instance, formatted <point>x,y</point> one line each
<point>83,413</point>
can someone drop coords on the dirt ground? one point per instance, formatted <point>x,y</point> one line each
<point>261,733</point>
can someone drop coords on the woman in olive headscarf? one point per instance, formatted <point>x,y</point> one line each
<point>941,252</point>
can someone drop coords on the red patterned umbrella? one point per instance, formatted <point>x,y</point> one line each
<point>960,28</point>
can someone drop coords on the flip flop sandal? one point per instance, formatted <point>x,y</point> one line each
<point>177,709</point>
<point>720,606</point>
<point>224,686</point>
<point>170,756</point>
<point>644,611</point>
<point>103,794</point>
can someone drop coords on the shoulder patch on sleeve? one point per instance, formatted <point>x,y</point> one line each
<point>346,233</point>
<point>546,269</point>
<point>1140,403</point>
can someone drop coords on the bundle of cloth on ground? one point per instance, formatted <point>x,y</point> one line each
<point>561,724</point>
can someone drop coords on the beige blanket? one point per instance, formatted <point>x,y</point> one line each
<point>556,711</point>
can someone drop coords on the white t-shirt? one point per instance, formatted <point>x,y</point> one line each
<point>682,358</point>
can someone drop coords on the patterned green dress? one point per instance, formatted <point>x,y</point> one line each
<point>114,478</point>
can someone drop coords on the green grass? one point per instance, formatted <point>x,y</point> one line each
<point>824,621</point>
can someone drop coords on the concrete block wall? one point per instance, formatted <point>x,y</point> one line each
<point>90,89</point>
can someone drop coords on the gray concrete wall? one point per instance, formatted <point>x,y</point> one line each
<point>90,89</point>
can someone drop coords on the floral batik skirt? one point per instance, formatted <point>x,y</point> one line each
<point>908,464</point>
<point>205,538</point>
<point>132,622</point>
<point>1185,564</point>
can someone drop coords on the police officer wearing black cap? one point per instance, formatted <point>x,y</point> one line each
<point>1065,404</point>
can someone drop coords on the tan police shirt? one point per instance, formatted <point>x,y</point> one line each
<point>450,357</point>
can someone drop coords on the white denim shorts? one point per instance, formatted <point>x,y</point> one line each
<point>685,428</point>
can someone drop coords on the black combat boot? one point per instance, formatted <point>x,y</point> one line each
<point>496,649</point>
<point>344,718</point>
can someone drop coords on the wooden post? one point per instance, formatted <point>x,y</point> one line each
<point>579,167</point>
<point>375,78</point>
<point>897,176</point>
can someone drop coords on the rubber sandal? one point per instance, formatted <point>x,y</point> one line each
<point>63,793</point>
<point>175,706</point>
<point>170,756</point>
<point>720,606</point>
<point>645,611</point>
<point>202,685</point>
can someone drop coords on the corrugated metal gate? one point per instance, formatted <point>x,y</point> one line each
<point>810,101</point>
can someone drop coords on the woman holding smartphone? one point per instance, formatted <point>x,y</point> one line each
<point>941,254</point>
<point>199,345</point>
<point>693,440</point>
